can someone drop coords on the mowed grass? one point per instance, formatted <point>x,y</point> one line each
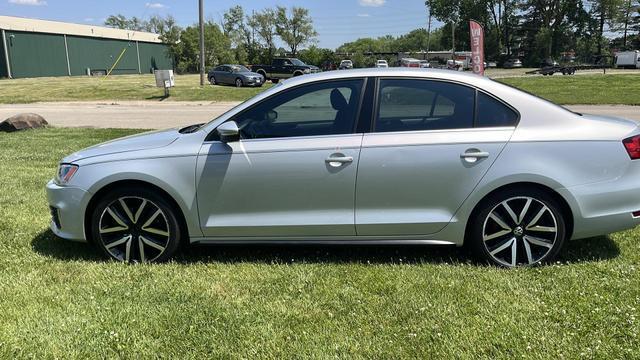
<point>61,300</point>
<point>619,89</point>
<point>114,88</point>
<point>568,90</point>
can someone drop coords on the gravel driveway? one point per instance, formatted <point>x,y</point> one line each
<point>156,115</point>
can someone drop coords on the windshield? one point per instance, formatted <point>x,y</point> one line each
<point>298,62</point>
<point>239,68</point>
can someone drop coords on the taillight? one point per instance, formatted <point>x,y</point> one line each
<point>632,145</point>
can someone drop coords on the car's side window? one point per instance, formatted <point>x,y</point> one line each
<point>493,113</point>
<point>325,108</point>
<point>411,105</point>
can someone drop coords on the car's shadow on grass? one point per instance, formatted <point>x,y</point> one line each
<point>588,250</point>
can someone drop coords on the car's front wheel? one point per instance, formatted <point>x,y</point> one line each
<point>518,227</point>
<point>239,82</point>
<point>135,225</point>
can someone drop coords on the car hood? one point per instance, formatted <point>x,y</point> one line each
<point>145,141</point>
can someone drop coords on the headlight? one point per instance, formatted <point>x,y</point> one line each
<point>65,173</point>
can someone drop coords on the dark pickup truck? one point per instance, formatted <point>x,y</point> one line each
<point>284,68</point>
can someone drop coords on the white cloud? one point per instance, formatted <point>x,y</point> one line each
<point>28,2</point>
<point>372,3</point>
<point>155,6</point>
<point>363,15</point>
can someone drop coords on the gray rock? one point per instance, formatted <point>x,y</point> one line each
<point>23,122</point>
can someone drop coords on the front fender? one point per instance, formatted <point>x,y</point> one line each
<point>176,176</point>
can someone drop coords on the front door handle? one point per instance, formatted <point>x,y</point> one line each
<point>337,161</point>
<point>473,155</point>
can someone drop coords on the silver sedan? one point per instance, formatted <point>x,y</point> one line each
<point>377,156</point>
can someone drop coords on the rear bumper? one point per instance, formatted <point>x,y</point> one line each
<point>604,207</point>
<point>67,206</point>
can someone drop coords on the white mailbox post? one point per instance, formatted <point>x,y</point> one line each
<point>165,80</point>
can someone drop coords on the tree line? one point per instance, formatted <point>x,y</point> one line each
<point>534,30</point>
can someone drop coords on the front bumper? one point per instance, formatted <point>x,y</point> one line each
<point>254,82</point>
<point>67,205</point>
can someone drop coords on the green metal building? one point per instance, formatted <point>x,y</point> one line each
<point>34,48</point>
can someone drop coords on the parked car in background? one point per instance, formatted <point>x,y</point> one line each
<point>549,62</point>
<point>491,64</point>
<point>447,158</point>
<point>237,75</point>
<point>328,66</point>
<point>284,68</point>
<point>457,65</point>
<point>345,65</point>
<point>628,59</point>
<point>410,63</point>
<point>512,63</point>
<point>425,64</point>
<point>382,64</point>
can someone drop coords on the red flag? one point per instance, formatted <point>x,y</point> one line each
<point>477,47</point>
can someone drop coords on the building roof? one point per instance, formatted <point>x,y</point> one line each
<point>57,27</point>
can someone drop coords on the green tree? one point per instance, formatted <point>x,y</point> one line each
<point>607,12</point>
<point>265,25</point>
<point>296,30</point>
<point>118,21</point>
<point>217,48</point>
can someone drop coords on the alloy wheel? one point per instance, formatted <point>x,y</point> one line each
<point>238,83</point>
<point>520,231</point>
<point>134,229</point>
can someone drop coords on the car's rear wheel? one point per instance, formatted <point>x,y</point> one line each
<point>212,80</point>
<point>518,228</point>
<point>275,81</point>
<point>135,225</point>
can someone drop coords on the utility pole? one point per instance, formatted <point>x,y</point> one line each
<point>426,3</point>
<point>202,62</point>
<point>453,39</point>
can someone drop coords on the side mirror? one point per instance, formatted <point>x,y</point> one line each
<point>228,132</point>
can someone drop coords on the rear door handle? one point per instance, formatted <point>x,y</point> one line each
<point>473,155</point>
<point>337,161</point>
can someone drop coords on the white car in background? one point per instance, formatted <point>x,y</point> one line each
<point>345,65</point>
<point>382,64</point>
<point>425,64</point>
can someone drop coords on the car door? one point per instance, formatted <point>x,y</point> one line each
<point>225,74</point>
<point>424,156</point>
<point>293,171</point>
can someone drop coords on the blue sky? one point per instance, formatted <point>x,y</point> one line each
<point>337,21</point>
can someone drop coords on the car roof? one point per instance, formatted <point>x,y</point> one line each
<point>389,72</point>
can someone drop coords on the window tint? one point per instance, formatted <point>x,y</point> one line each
<point>318,109</point>
<point>410,105</point>
<point>493,113</point>
<point>219,68</point>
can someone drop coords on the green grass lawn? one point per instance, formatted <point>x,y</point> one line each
<point>122,87</point>
<point>582,89</point>
<point>568,90</point>
<point>61,300</point>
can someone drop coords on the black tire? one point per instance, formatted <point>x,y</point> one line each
<point>297,73</point>
<point>533,245</point>
<point>275,81</point>
<point>212,80</point>
<point>150,239</point>
<point>239,83</point>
